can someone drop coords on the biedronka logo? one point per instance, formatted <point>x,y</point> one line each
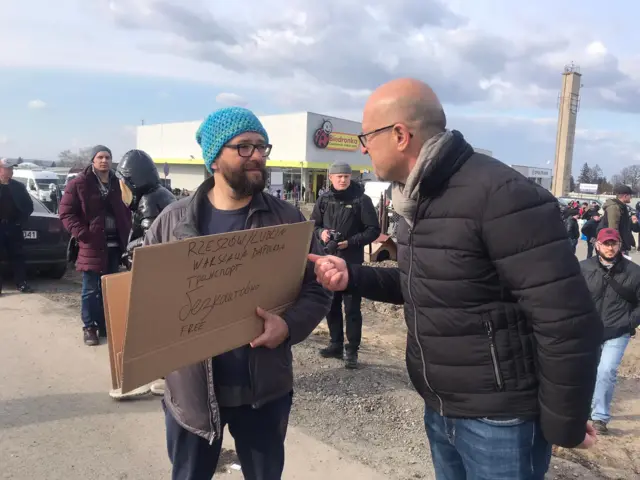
<point>325,137</point>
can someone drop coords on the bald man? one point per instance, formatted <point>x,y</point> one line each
<point>502,337</point>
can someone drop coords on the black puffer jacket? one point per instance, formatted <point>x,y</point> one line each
<point>618,315</point>
<point>351,213</point>
<point>500,321</point>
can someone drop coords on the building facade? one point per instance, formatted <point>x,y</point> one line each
<point>542,176</point>
<point>304,146</point>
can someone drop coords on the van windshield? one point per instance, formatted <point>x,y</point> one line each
<point>44,183</point>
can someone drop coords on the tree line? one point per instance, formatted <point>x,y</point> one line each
<point>78,159</point>
<point>593,175</point>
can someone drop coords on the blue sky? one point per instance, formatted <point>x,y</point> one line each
<point>78,73</point>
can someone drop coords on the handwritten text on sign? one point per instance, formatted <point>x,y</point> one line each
<point>222,257</point>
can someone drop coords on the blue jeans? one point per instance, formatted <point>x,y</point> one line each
<point>92,311</point>
<point>610,358</point>
<point>486,449</point>
<point>259,435</point>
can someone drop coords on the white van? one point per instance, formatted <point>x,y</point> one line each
<point>38,182</point>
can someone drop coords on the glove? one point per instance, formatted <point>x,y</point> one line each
<point>127,256</point>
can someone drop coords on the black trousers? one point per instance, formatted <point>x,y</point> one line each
<point>353,319</point>
<point>12,251</point>
<point>259,434</point>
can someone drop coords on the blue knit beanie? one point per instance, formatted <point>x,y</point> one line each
<point>221,126</point>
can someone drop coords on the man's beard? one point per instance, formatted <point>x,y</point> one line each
<point>242,182</point>
<point>609,259</point>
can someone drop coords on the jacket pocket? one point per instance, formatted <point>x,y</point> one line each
<point>495,361</point>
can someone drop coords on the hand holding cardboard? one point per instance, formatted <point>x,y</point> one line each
<point>275,332</point>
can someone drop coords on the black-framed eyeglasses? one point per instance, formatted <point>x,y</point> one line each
<point>246,149</point>
<point>363,136</point>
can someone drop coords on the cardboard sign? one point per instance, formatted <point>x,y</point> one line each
<point>186,301</point>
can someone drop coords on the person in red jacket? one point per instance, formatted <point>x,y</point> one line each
<point>92,211</point>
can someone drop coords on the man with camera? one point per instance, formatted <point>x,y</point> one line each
<point>346,221</point>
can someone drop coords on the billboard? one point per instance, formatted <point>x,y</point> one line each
<point>588,188</point>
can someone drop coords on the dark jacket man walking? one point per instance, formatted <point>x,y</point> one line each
<point>590,231</point>
<point>92,211</point>
<point>250,388</point>
<point>16,206</point>
<point>614,283</point>
<point>345,221</point>
<point>503,338</point>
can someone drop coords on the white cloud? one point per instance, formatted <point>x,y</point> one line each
<point>468,52</point>
<point>4,140</point>
<point>36,104</point>
<point>231,99</point>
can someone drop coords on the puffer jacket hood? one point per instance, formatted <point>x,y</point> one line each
<point>139,173</point>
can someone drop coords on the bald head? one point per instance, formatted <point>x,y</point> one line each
<point>408,101</point>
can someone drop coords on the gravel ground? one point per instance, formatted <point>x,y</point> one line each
<point>371,414</point>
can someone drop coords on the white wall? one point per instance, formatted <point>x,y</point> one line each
<point>169,140</point>
<point>287,135</point>
<point>356,159</point>
<point>185,176</point>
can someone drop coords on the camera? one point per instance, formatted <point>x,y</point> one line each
<point>332,245</point>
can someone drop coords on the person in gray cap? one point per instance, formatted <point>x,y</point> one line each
<point>346,221</point>
<point>93,212</point>
<point>15,208</point>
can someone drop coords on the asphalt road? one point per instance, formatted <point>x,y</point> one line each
<point>58,422</point>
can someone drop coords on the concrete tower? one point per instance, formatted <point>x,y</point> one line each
<point>568,105</point>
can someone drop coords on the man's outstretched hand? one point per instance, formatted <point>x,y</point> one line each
<point>331,272</point>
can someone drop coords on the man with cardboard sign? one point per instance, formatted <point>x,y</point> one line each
<point>207,306</point>
<point>250,387</point>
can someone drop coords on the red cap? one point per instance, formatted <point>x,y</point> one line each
<point>607,234</point>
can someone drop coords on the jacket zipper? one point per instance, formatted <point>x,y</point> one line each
<point>494,355</point>
<point>209,368</point>
<point>415,313</point>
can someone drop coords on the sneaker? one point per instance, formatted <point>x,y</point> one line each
<point>117,394</point>
<point>24,288</point>
<point>334,350</point>
<point>351,360</point>
<point>91,336</point>
<point>157,388</point>
<point>600,427</point>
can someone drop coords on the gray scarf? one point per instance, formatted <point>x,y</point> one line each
<point>405,196</point>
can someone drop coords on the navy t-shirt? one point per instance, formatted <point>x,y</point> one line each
<point>231,375</point>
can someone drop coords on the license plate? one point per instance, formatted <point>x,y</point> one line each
<point>30,234</point>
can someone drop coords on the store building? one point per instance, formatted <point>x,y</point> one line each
<point>541,176</point>
<point>304,146</point>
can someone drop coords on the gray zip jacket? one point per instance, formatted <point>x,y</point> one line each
<point>189,391</point>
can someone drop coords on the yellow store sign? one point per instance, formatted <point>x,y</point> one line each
<point>325,138</point>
